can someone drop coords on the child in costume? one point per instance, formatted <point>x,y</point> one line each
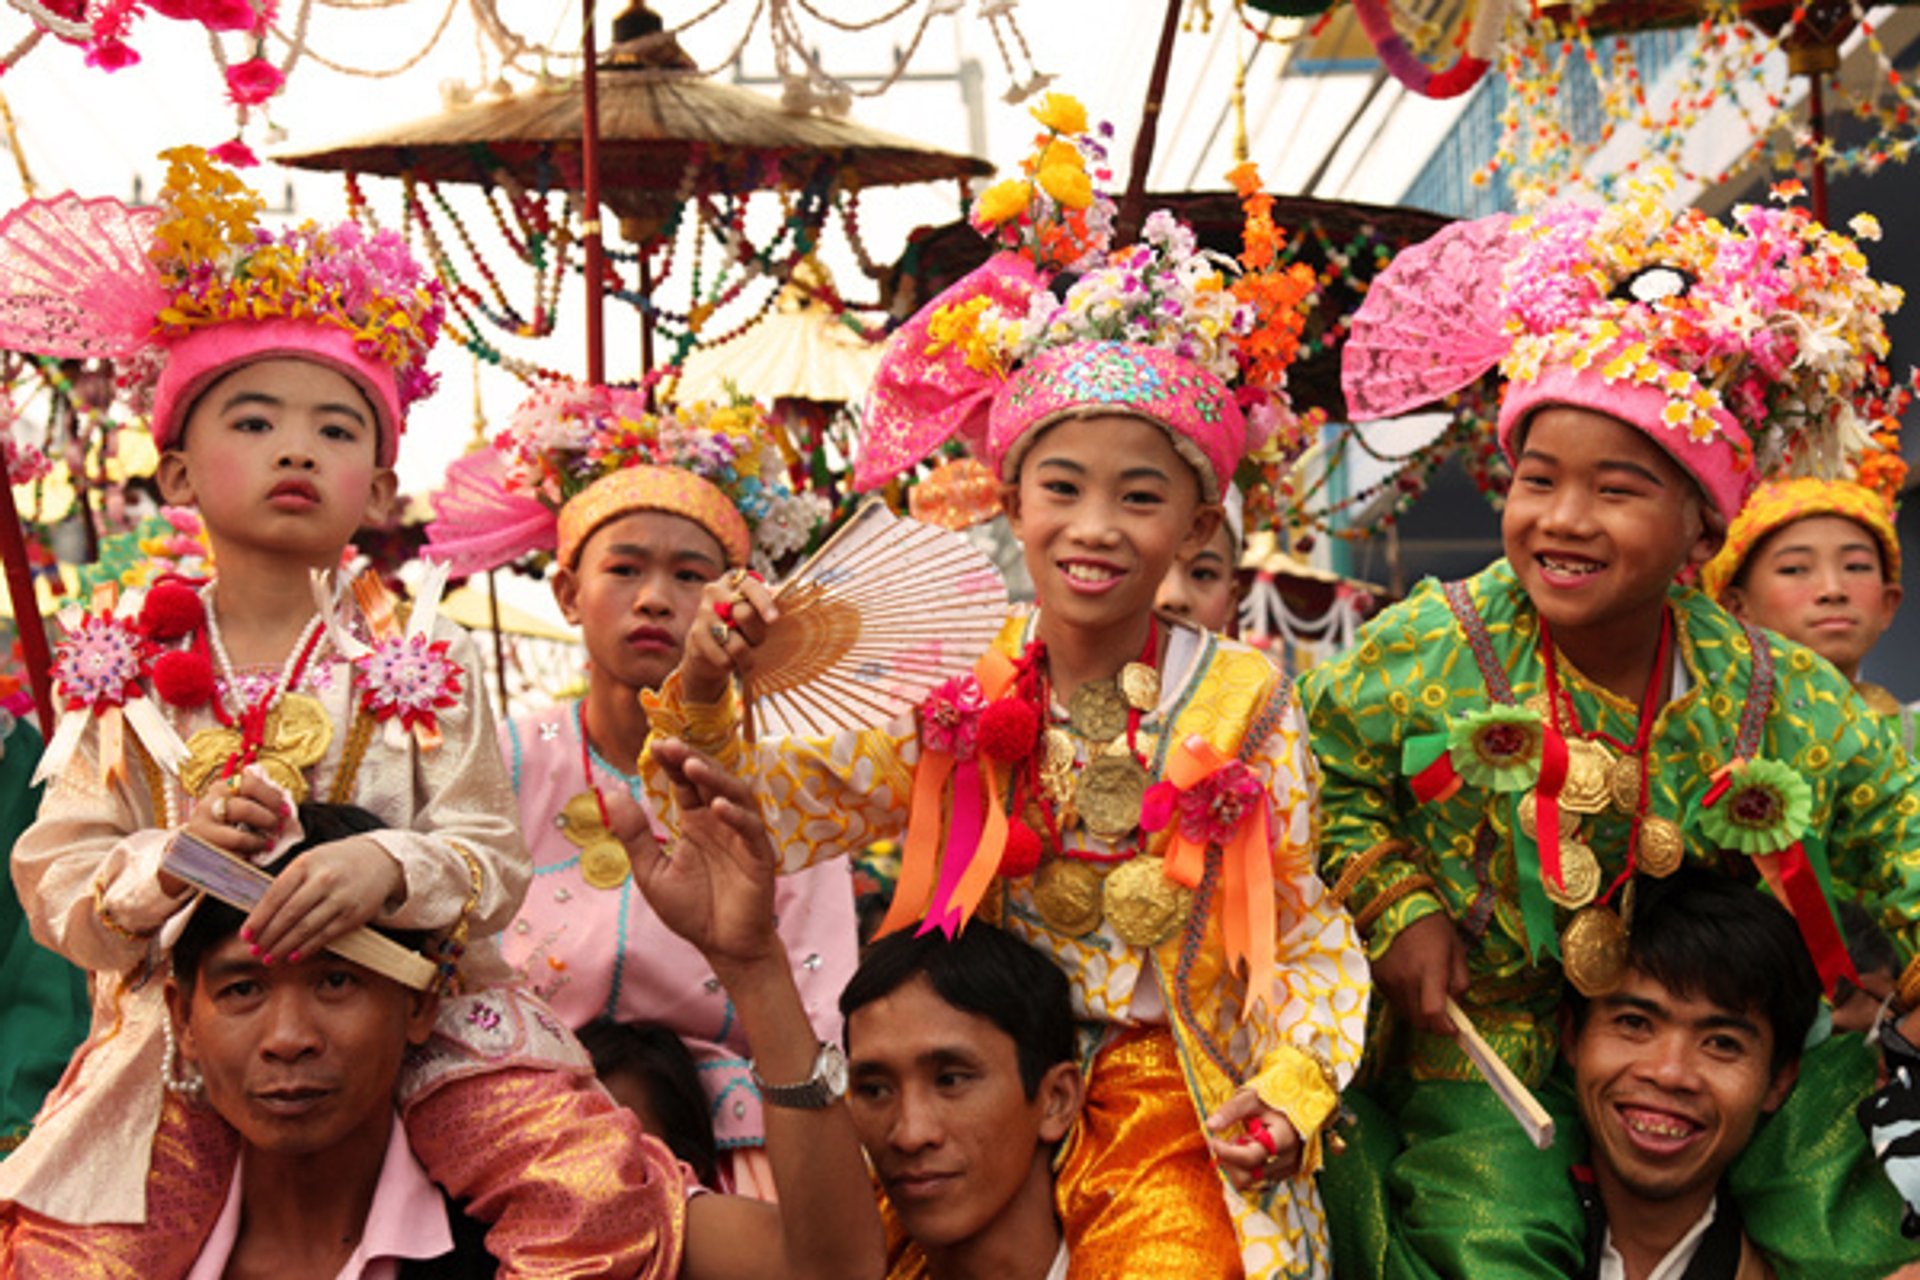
<point>1818,560</point>
<point>650,508</point>
<point>1131,796</point>
<point>1202,587</point>
<point>1503,756</point>
<point>280,368</point>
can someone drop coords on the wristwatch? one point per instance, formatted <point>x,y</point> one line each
<point>826,1086</point>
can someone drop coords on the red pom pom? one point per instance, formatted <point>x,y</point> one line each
<point>184,680</point>
<point>1022,855</point>
<point>1008,730</point>
<point>172,610</point>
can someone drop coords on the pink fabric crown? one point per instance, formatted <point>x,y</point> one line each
<point>1078,379</point>
<point>199,358</point>
<point>1721,463</point>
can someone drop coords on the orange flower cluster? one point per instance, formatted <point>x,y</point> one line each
<point>1276,296</point>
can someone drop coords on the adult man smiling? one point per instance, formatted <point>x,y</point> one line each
<point>1676,1067</point>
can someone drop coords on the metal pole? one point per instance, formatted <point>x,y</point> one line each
<point>596,262</point>
<point>1817,129</point>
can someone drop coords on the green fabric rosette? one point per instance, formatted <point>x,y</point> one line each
<point>1765,808</point>
<point>1497,749</point>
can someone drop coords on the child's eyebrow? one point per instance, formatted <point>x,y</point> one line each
<point>639,552</point>
<point>1208,555</point>
<point>241,398</point>
<point>1634,469</point>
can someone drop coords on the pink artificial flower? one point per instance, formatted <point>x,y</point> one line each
<point>234,153</point>
<point>111,55</point>
<point>252,82</point>
<point>1215,807</point>
<point>950,717</point>
<point>224,15</point>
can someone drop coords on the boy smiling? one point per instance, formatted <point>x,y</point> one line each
<point>1504,756</point>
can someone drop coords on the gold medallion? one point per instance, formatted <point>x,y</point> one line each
<point>1098,710</point>
<point>1143,906</point>
<point>1593,952</point>
<point>1530,818</point>
<point>1066,893</point>
<point>1579,873</point>
<point>1140,685</point>
<point>1109,795</point>
<point>1588,763</point>
<point>1623,784</point>
<point>1540,706</point>
<point>298,728</point>
<point>281,773</point>
<point>1056,754</point>
<point>603,863</point>
<point>579,819</point>
<point>1662,847</point>
<point>208,751</point>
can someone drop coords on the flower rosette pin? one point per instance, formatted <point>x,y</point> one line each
<point>100,671</point>
<point>101,663</point>
<point>409,678</point>
<point>1497,749</point>
<point>950,717</point>
<point>1764,809</point>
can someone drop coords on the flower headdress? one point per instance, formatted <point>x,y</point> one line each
<point>576,456</point>
<point>1740,346</point>
<point>183,294</point>
<point>1191,339</point>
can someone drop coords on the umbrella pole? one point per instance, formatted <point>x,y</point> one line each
<point>1817,122</point>
<point>1133,206</point>
<point>590,195</point>
<point>499,644</point>
<point>26,609</point>
<point>646,314</point>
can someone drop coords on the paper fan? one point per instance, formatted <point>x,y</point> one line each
<point>479,524</point>
<point>885,611</point>
<point>75,279</point>
<point>1431,322</point>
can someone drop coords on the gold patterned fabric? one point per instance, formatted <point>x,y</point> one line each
<point>574,1187</point>
<point>835,797</point>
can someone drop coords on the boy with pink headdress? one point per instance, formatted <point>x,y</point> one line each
<point>1131,796</point>
<point>640,509</point>
<point>280,369</point>
<point>1504,757</point>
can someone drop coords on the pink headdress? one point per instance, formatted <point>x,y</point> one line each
<point>189,291</point>
<point>577,456</point>
<point>1209,338</point>
<point>1733,347</point>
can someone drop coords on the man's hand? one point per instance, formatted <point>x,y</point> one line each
<point>1422,967</point>
<point>714,886</point>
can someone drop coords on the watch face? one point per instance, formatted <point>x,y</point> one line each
<point>831,1070</point>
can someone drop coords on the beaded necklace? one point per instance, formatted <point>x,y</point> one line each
<point>283,731</point>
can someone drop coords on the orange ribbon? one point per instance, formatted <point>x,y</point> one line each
<point>927,820</point>
<point>1246,867</point>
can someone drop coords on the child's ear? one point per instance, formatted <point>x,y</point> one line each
<point>1708,541</point>
<point>176,485</point>
<point>1010,503</point>
<point>566,594</point>
<point>381,495</point>
<point>1206,522</point>
<point>1734,601</point>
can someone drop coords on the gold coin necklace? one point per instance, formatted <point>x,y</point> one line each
<point>584,821</point>
<point>283,731</point>
<point>1593,945</point>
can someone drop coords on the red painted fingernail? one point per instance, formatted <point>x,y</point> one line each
<point>293,957</point>
<point>246,934</point>
<point>254,950</point>
<point>266,960</point>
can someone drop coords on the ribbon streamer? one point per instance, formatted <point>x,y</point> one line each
<point>1795,881</point>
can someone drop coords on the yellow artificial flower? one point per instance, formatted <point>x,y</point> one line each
<point>1062,113</point>
<point>1004,201</point>
<point>1067,184</point>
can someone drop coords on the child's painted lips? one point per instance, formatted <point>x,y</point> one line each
<point>295,495</point>
<point>651,639</point>
<point>1090,577</point>
<point>1561,568</point>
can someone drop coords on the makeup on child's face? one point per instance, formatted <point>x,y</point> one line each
<point>634,591</point>
<point>1819,581</point>
<point>1599,520</point>
<point>282,453</point>
<point>1102,507</point>
<point>1200,587</point>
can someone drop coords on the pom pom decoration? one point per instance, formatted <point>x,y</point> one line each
<point>1021,858</point>
<point>1009,729</point>
<point>171,610</point>
<point>183,679</point>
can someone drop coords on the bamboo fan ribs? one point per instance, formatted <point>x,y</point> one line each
<point>885,611</point>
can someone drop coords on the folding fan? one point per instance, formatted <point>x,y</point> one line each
<point>479,523</point>
<point>75,280</point>
<point>885,611</point>
<point>1431,322</point>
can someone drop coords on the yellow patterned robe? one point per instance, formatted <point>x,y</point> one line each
<point>835,797</point>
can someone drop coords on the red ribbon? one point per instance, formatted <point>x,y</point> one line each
<point>1436,783</point>
<point>1546,810</point>
<point>1790,874</point>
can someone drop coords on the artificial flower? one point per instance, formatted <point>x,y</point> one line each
<point>252,82</point>
<point>1062,113</point>
<point>1214,808</point>
<point>950,717</point>
<point>1003,202</point>
<point>1497,749</point>
<point>1763,807</point>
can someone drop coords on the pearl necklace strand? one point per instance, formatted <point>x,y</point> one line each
<point>296,657</point>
